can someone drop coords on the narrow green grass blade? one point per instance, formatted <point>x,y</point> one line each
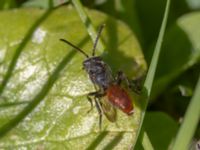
<point>86,20</point>
<point>153,65</point>
<point>190,122</point>
<point>154,61</point>
<point>146,143</point>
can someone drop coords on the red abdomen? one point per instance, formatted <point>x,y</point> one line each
<point>120,98</point>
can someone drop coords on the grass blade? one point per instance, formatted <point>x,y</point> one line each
<point>154,61</point>
<point>153,65</point>
<point>146,143</point>
<point>190,122</point>
<point>88,24</point>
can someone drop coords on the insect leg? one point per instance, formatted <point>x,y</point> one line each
<point>90,100</point>
<point>135,85</point>
<point>99,109</point>
<point>89,95</point>
<point>122,77</point>
<point>97,94</point>
<point>98,104</point>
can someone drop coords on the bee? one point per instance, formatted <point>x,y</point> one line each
<point>108,94</point>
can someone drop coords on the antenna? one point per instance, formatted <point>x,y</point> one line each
<point>97,38</point>
<point>78,49</point>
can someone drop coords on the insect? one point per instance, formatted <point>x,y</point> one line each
<point>109,93</point>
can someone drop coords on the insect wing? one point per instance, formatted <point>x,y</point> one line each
<point>109,110</point>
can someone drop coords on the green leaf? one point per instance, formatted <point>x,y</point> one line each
<point>43,102</point>
<point>178,57</point>
<point>160,128</point>
<point>193,4</point>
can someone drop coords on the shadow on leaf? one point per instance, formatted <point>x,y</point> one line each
<point>41,95</point>
<point>117,138</point>
<point>22,45</point>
